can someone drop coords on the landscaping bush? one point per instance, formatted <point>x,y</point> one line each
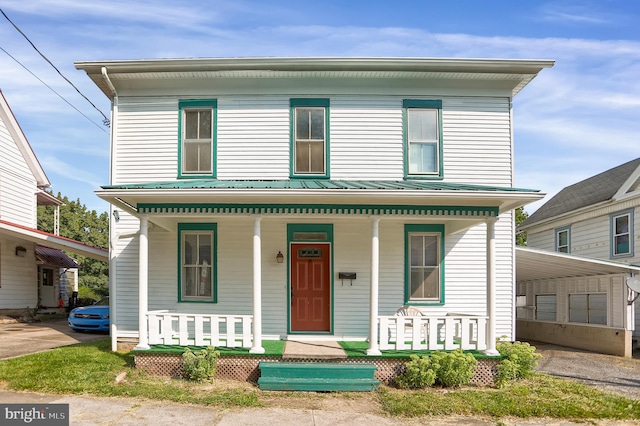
<point>200,365</point>
<point>519,362</point>
<point>418,373</point>
<point>455,368</point>
<point>450,369</point>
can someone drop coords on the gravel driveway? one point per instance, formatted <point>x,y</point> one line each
<point>605,372</point>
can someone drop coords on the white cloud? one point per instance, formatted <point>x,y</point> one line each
<point>72,171</point>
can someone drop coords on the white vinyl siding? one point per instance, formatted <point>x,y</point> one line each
<point>17,183</point>
<point>253,138</point>
<point>18,275</point>
<point>590,237</point>
<point>146,135</point>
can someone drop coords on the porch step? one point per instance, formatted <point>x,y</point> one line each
<point>308,376</point>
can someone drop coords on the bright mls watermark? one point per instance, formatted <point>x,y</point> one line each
<point>34,414</point>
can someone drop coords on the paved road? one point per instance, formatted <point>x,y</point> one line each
<point>21,338</point>
<point>90,411</point>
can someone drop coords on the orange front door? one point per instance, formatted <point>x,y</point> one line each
<point>310,287</point>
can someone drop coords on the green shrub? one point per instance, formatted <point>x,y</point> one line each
<point>519,362</point>
<point>418,373</point>
<point>200,365</point>
<point>450,369</point>
<point>455,368</point>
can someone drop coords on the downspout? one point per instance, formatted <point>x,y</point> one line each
<point>513,230</point>
<point>113,239</point>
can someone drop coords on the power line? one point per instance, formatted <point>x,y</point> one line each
<point>50,88</point>
<point>106,120</point>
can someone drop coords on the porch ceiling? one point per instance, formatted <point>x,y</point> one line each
<point>532,264</point>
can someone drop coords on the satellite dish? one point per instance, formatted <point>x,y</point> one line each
<point>634,283</point>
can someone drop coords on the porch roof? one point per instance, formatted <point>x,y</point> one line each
<point>50,240</point>
<point>320,184</point>
<point>466,204</point>
<point>56,257</point>
<point>535,264</point>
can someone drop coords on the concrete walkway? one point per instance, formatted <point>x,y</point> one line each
<point>26,338</point>
<point>313,350</point>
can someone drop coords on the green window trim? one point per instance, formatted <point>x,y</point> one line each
<point>197,104</point>
<point>433,229</point>
<point>309,102</point>
<point>408,104</point>
<point>203,227</point>
<point>558,240</point>
<point>617,247</point>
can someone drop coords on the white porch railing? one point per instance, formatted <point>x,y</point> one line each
<point>170,328</point>
<point>447,332</point>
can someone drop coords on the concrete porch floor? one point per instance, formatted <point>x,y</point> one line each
<point>294,349</point>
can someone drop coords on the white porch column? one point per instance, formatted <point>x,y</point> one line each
<point>374,348</point>
<point>491,287</point>
<point>143,283</point>
<point>257,288</point>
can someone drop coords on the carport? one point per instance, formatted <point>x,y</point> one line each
<point>574,301</point>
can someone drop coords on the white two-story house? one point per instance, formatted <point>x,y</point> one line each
<point>311,198</point>
<point>583,251</point>
<point>32,263</point>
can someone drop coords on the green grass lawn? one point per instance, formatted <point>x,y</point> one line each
<point>91,368</point>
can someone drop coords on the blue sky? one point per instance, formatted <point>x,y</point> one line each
<point>574,120</point>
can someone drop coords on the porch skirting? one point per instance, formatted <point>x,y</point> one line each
<point>245,368</point>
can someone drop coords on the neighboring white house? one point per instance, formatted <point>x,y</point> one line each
<point>585,247</point>
<point>31,261</point>
<point>311,198</point>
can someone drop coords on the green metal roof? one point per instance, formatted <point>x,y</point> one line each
<point>317,184</point>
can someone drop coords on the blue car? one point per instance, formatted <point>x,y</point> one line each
<point>94,317</point>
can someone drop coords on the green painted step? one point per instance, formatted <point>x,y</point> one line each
<point>307,376</point>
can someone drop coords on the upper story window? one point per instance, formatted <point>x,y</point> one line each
<point>424,264</point>
<point>423,138</point>
<point>197,126</point>
<point>197,269</point>
<point>621,225</point>
<point>563,240</point>
<point>309,137</point>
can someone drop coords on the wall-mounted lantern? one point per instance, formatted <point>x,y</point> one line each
<point>21,251</point>
<point>279,257</point>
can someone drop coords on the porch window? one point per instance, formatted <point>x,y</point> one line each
<point>546,307</point>
<point>563,239</point>
<point>197,269</point>
<point>197,124</point>
<point>424,264</point>
<point>622,234</point>
<point>588,308</point>
<point>423,138</point>
<point>309,137</point>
